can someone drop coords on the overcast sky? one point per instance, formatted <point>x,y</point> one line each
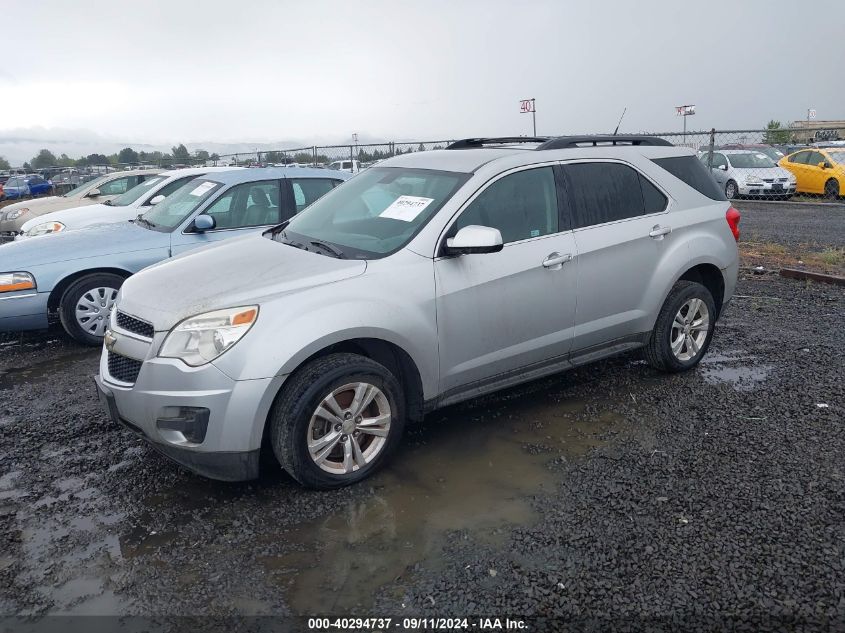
<point>311,70</point>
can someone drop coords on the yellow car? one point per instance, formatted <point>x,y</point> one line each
<point>818,170</point>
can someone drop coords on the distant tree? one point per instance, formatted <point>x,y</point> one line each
<point>275,157</point>
<point>214,157</point>
<point>202,155</point>
<point>66,161</point>
<point>45,158</point>
<point>421,148</point>
<point>180,153</point>
<point>97,159</point>
<point>127,155</point>
<point>27,166</point>
<point>303,157</point>
<point>4,164</point>
<point>775,135</point>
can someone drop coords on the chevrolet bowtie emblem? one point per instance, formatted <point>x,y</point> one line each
<point>109,340</point>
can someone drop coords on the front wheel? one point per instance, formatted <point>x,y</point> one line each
<point>684,328</point>
<point>337,421</point>
<point>831,189</point>
<point>731,190</point>
<point>85,307</point>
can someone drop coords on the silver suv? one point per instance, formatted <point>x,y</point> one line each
<point>433,278</point>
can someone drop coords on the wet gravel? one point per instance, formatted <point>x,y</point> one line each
<point>818,226</point>
<point>698,500</point>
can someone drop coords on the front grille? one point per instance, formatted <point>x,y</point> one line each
<point>768,179</point>
<point>131,324</point>
<point>122,368</point>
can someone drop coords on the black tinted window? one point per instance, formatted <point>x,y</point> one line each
<point>800,158</point>
<point>604,192</point>
<point>653,198</point>
<point>522,205</point>
<point>694,173</point>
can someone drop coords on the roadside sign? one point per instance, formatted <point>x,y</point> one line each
<point>811,113</point>
<point>685,110</point>
<point>526,106</point>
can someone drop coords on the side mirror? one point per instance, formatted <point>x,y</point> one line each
<point>474,239</point>
<point>204,222</point>
<point>723,167</point>
<point>93,193</point>
<point>156,199</point>
<point>824,164</point>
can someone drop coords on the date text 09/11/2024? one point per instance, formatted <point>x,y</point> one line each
<point>421,624</point>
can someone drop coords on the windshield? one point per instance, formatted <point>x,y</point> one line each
<point>170,212</point>
<point>375,213</point>
<point>772,153</point>
<point>78,191</point>
<point>838,157</point>
<point>14,182</point>
<point>754,160</point>
<point>136,192</point>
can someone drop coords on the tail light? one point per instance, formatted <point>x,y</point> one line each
<point>733,217</point>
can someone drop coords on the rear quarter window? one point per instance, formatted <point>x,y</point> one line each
<point>694,173</point>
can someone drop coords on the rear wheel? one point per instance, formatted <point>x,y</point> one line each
<point>337,421</point>
<point>86,305</point>
<point>683,329</point>
<point>831,189</point>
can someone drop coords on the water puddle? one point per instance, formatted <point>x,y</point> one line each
<point>735,369</point>
<point>39,372</point>
<point>473,470</point>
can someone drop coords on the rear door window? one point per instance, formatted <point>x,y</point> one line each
<point>692,172</point>
<point>800,158</point>
<point>608,192</point>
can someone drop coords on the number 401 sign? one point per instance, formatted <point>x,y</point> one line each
<point>526,105</point>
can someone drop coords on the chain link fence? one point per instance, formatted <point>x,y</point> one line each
<point>772,164</point>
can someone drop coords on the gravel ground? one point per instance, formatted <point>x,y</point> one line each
<point>818,226</point>
<point>610,496</point>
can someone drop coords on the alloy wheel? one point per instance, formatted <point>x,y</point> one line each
<point>689,329</point>
<point>349,428</point>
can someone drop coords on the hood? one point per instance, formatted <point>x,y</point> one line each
<point>79,217</point>
<point>240,271</point>
<point>96,241</point>
<point>767,172</point>
<point>37,207</point>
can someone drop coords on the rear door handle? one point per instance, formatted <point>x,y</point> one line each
<point>556,260</point>
<point>658,231</point>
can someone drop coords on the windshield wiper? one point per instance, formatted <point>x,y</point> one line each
<point>284,239</point>
<point>142,220</point>
<point>328,248</point>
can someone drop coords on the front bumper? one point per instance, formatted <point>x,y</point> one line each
<point>768,189</point>
<point>164,387</point>
<point>26,310</point>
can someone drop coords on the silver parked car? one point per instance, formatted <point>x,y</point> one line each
<point>743,172</point>
<point>430,279</point>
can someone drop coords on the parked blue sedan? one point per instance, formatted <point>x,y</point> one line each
<point>74,276</point>
<point>18,187</point>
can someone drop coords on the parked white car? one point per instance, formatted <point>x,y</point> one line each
<point>743,172</point>
<point>120,209</point>
<point>352,166</point>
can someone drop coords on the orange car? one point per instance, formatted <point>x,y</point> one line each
<point>818,170</point>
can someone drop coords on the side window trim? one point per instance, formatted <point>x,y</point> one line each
<point>571,204</point>
<point>445,233</point>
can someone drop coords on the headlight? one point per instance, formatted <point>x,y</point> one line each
<point>202,338</point>
<point>10,282</point>
<point>44,228</point>
<point>14,215</point>
<point>753,180</point>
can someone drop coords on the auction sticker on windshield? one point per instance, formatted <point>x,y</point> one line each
<point>201,189</point>
<point>406,208</point>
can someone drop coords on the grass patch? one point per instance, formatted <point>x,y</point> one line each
<point>831,260</point>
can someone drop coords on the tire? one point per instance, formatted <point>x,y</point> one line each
<point>97,292</point>
<point>731,190</point>
<point>659,351</point>
<point>294,421</point>
<point>831,189</point>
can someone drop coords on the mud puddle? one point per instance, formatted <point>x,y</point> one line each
<point>41,371</point>
<point>467,473</point>
<point>736,369</point>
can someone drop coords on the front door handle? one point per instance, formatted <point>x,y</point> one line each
<point>658,231</point>
<point>556,260</point>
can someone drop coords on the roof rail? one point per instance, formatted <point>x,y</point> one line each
<point>472,143</point>
<point>562,142</point>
